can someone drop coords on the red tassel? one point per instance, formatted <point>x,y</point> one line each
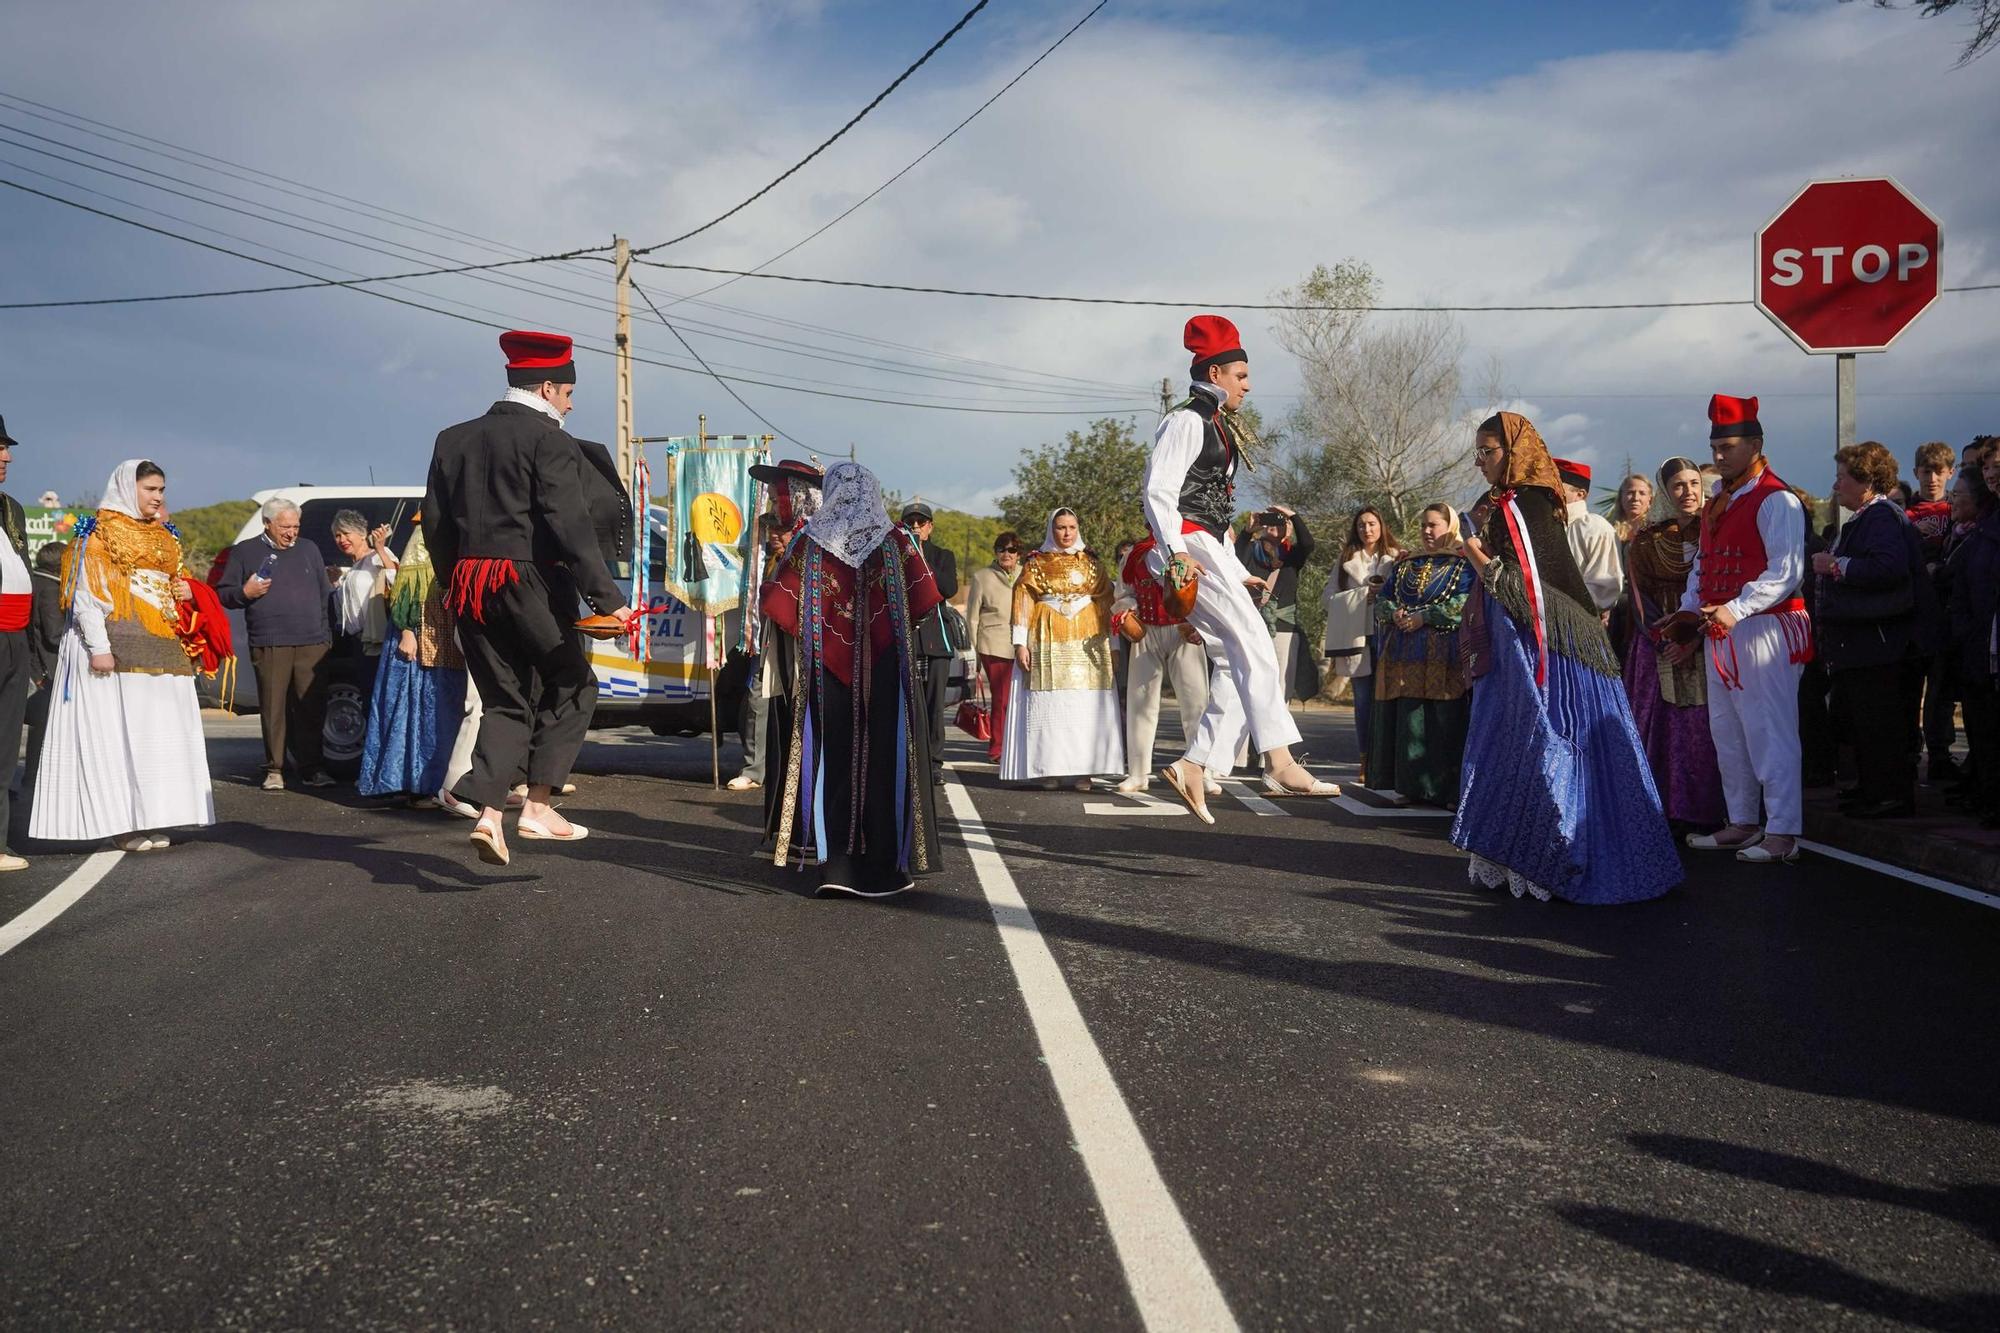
<point>471,580</point>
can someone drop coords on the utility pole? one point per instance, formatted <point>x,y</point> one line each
<point>622,260</point>
<point>1166,396</point>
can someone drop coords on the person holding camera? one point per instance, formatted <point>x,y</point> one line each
<point>1275,549</point>
<point>936,644</point>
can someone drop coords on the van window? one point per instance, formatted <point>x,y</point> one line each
<point>398,511</point>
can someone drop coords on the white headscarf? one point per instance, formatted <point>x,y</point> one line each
<point>852,521</point>
<point>121,493</point>
<point>1049,542</point>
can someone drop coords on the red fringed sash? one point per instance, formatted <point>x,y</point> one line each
<point>471,580</point>
<point>1793,623</point>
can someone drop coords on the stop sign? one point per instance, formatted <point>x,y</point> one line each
<point>1848,264</point>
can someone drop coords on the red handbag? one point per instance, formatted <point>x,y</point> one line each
<point>975,715</point>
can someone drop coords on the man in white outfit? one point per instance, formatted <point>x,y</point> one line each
<point>1190,494</point>
<point>1592,539</point>
<point>1745,588</point>
<point>1167,651</point>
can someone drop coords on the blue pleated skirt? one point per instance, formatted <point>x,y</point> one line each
<point>1556,792</point>
<point>412,722</point>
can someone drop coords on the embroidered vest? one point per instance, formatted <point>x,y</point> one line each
<point>1732,549</point>
<point>1208,492</point>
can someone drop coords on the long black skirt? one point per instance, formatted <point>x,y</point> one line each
<point>871,868</point>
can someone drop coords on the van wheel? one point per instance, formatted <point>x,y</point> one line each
<point>346,728</point>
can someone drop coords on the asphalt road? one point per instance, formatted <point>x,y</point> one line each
<point>318,1068</point>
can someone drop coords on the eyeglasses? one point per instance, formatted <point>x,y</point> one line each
<point>1488,450</point>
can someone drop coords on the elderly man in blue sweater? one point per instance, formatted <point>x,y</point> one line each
<point>280,584</point>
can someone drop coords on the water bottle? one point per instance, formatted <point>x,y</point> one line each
<point>270,565</point>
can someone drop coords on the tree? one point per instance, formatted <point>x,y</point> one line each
<point>1985,22</point>
<point>1098,473</point>
<point>1379,421</point>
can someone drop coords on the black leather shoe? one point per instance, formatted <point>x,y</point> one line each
<point>1884,810</point>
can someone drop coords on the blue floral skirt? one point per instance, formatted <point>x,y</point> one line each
<point>412,723</point>
<point>1556,797</point>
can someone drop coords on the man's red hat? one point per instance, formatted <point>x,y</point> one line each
<point>534,357</point>
<point>1729,418</point>
<point>1576,474</point>
<point>1214,341</point>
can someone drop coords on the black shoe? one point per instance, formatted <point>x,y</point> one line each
<point>1849,795</point>
<point>1890,809</point>
<point>937,779</point>
<point>1943,770</point>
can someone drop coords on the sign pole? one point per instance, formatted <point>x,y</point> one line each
<point>1843,400</point>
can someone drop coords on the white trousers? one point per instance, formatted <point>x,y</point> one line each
<point>1162,655</point>
<point>1756,728</point>
<point>1246,693</point>
<point>468,736</point>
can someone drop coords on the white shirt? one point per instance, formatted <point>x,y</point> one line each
<point>1594,543</point>
<point>1782,525</point>
<point>1175,448</point>
<point>529,398</point>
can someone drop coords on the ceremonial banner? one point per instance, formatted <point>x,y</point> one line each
<point>709,527</point>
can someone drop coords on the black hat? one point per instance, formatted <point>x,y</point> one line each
<point>787,469</point>
<point>5,438</point>
<point>919,510</point>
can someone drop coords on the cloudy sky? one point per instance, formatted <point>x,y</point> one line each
<point>1590,153</point>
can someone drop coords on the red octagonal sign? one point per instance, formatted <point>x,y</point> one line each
<point>1848,264</point>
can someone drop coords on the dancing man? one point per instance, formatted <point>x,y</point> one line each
<point>508,520</point>
<point>1190,495</point>
<point>1745,588</point>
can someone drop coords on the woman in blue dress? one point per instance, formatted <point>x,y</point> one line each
<point>1556,798</point>
<point>419,689</point>
<point>1420,710</point>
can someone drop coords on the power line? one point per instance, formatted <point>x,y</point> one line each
<point>858,204</point>
<point>727,387</point>
<point>935,47</point>
<point>558,293</point>
<point>441,230</point>
<point>356,286</point>
<point>1220,305</point>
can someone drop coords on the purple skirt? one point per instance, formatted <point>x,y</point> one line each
<point>1678,747</point>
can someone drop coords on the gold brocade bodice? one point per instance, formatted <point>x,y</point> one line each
<point>1064,601</point>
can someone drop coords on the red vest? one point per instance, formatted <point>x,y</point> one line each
<point>1732,549</point>
<point>1145,585</point>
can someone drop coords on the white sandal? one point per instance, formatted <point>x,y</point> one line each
<point>535,831</point>
<point>1185,790</point>
<point>1319,787</point>
<point>486,838</point>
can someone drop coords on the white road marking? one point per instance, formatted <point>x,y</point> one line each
<point>59,899</point>
<point>1909,876</point>
<point>1143,805</point>
<point>1366,811</point>
<point>1258,805</point>
<point>1170,1280</point>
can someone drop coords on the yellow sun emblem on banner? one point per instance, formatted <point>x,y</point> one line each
<point>715,519</point>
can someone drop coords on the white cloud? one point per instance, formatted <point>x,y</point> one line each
<point>1122,167</point>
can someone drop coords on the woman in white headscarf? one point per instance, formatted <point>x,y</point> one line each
<point>1063,722</point>
<point>123,756</point>
<point>855,798</point>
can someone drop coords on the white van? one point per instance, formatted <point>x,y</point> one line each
<point>669,694</point>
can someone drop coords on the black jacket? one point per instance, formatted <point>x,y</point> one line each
<point>1884,606</point>
<point>1285,595</point>
<point>45,625</point>
<point>509,486</point>
<point>609,502</point>
<point>931,638</point>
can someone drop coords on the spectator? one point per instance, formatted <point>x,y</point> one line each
<point>1970,584</point>
<point>1275,548</point>
<point>1930,513</point>
<point>1421,707</point>
<point>1366,560</point>
<point>361,597</point>
<point>1635,506</point>
<point>933,637</point>
<point>1121,650</point>
<point>45,631</point>
<point>280,585</point>
<point>17,633</point>
<point>1870,631</point>
<point>989,614</point>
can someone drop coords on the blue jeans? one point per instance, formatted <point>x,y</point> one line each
<point>1364,704</point>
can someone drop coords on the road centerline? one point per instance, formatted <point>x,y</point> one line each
<point>59,899</point>
<point>1170,1280</point>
